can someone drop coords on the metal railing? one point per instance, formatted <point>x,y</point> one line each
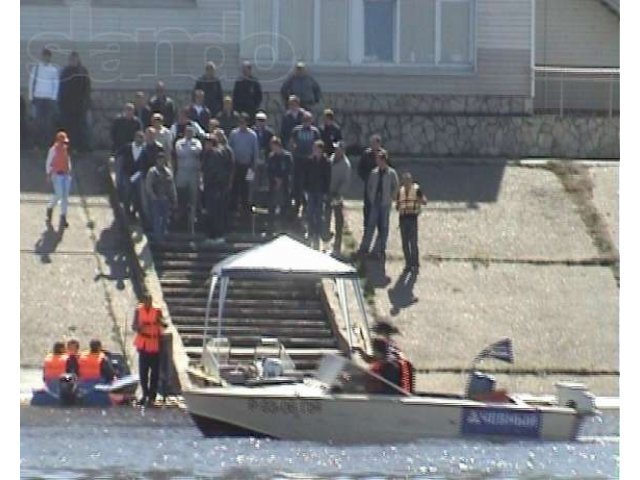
<point>577,90</point>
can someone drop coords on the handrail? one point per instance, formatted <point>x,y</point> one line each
<point>578,70</point>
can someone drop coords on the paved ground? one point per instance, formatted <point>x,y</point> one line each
<point>74,282</point>
<point>504,252</point>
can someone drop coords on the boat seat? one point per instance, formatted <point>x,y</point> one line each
<point>496,396</point>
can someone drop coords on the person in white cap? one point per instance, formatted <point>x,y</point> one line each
<point>264,134</point>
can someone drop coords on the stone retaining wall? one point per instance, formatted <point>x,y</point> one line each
<point>431,126</point>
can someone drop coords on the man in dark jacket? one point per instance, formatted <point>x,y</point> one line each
<point>366,165</point>
<point>228,118</point>
<point>217,176</point>
<point>247,92</point>
<point>74,99</point>
<point>124,127</point>
<point>128,159</point>
<point>279,166</point>
<point>303,85</point>
<point>330,132</point>
<point>212,88</point>
<point>291,119</point>
<point>161,103</point>
<point>141,109</point>
<point>317,178</point>
<point>198,111</point>
<point>302,140</point>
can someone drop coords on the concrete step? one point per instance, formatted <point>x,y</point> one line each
<point>301,325</point>
<point>284,304</point>
<point>251,332</point>
<point>231,312</point>
<point>193,340</point>
<point>254,285</point>
<point>185,289</point>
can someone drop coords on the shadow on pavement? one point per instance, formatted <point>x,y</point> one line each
<point>48,242</point>
<point>446,181</point>
<point>110,246</point>
<point>401,294</point>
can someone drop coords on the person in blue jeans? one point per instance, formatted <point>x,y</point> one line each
<point>382,190</point>
<point>163,198</point>
<point>317,179</point>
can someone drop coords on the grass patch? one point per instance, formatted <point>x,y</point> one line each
<point>577,182</point>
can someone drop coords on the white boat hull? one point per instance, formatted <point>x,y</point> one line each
<point>300,412</point>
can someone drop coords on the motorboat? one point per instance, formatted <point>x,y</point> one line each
<point>335,406</point>
<point>68,391</point>
<point>341,401</point>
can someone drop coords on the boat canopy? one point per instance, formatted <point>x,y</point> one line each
<point>287,258</point>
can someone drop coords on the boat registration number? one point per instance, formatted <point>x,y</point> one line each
<point>294,407</point>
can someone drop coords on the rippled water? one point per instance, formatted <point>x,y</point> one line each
<point>124,443</point>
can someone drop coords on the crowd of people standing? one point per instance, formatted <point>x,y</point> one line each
<point>197,165</point>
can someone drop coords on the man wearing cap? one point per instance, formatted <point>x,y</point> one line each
<point>383,331</point>
<point>340,182</point>
<point>303,85</point>
<point>330,132</point>
<point>212,89</point>
<point>58,169</point>
<point>264,134</point>
<point>247,92</point>
<point>44,82</point>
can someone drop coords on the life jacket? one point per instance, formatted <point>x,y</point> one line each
<point>148,335</point>
<point>407,374</point>
<point>54,366</point>
<point>89,365</point>
<point>408,200</point>
<point>60,161</point>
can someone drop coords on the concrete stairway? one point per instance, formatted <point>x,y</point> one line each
<point>291,311</point>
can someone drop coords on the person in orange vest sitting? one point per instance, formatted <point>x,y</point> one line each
<point>94,365</point>
<point>58,170</point>
<point>148,325</point>
<point>55,363</point>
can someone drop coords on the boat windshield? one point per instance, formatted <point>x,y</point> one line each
<point>344,376</point>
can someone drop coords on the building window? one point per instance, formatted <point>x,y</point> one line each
<point>439,33</point>
<point>379,30</point>
<point>455,32</point>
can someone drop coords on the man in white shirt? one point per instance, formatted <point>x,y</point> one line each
<point>44,81</point>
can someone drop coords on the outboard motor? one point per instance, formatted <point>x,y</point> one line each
<point>575,395</point>
<point>68,389</point>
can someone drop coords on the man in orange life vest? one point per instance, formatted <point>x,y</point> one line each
<point>58,170</point>
<point>55,363</point>
<point>148,325</point>
<point>384,330</point>
<point>409,202</point>
<point>94,365</point>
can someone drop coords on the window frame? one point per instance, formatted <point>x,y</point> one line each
<point>355,40</point>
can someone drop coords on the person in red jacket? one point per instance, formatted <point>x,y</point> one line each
<point>148,325</point>
<point>55,363</point>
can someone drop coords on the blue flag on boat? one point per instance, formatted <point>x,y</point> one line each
<point>500,350</point>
